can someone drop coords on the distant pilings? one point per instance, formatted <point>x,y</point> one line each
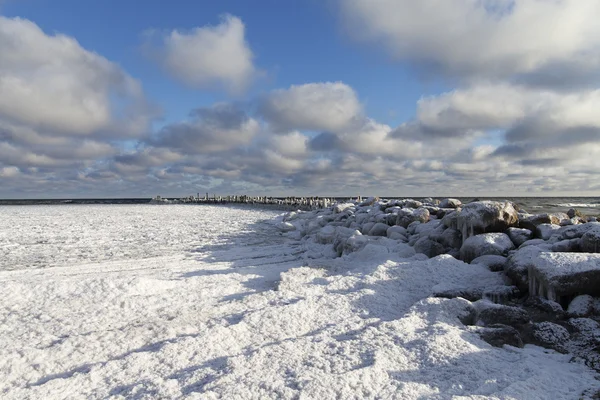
<point>301,203</point>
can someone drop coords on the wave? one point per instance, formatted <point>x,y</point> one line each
<point>580,205</point>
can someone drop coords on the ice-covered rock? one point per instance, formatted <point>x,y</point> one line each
<point>550,334</point>
<point>355,243</point>
<point>581,306</point>
<point>489,313</point>
<point>545,231</point>
<point>286,226</point>
<point>379,229</point>
<point>450,203</point>
<point>567,246</point>
<point>517,266</point>
<point>590,241</point>
<point>450,238</point>
<point>369,201</point>
<point>338,208</point>
<point>486,216</point>
<point>406,216</point>
<point>485,244</point>
<point>562,275</point>
<point>499,335</point>
<point>396,229</point>
<point>519,235</point>
<point>429,247</point>
<point>493,262</point>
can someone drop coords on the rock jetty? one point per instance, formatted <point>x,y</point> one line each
<point>547,266</point>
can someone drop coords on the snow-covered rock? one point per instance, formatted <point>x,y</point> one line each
<point>485,244</point>
<point>429,247</point>
<point>581,306</point>
<point>450,203</point>
<point>518,263</point>
<point>500,335</point>
<point>406,216</point>
<point>338,208</point>
<point>486,216</point>
<point>545,231</point>
<point>286,226</point>
<point>519,235</point>
<point>550,334</point>
<point>379,229</point>
<point>590,241</point>
<point>493,262</point>
<point>558,275</point>
<point>489,313</point>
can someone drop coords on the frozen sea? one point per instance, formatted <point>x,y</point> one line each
<point>209,302</point>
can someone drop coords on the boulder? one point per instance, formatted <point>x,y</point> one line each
<point>450,203</point>
<point>338,208</point>
<point>567,246</point>
<point>396,229</point>
<point>450,238</point>
<point>406,216</point>
<point>519,235</point>
<point>485,244</point>
<point>485,217</point>
<point>286,227</point>
<point>495,263</point>
<point>429,247</point>
<point>590,240</point>
<point>412,203</point>
<point>545,231</point>
<point>355,243</point>
<point>518,263</point>
<point>560,276</point>
<point>379,229</point>
<point>531,222</point>
<point>366,228</point>
<point>499,335</point>
<point>489,314</point>
<point>573,212</point>
<point>550,334</point>
<point>581,306</point>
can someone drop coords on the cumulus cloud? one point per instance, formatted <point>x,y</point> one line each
<point>490,38</point>
<point>215,129</point>
<point>329,106</point>
<point>209,55</point>
<point>50,83</point>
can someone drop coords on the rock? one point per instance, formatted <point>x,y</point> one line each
<point>517,266</point>
<point>396,229</point>
<point>501,294</point>
<point>406,216</point>
<point>489,314</point>
<point>355,243</point>
<point>486,216</point>
<point>550,334</point>
<point>541,309</point>
<point>495,263</point>
<point>366,228</point>
<point>519,235</point>
<point>533,221</point>
<point>567,246</point>
<point>573,212</point>
<point>450,219</point>
<point>590,241</point>
<point>379,229</point>
<point>412,203</point>
<point>450,238</point>
<point>286,227</point>
<point>537,243</point>
<point>429,247</point>
<point>499,335</point>
<point>341,207</point>
<point>556,276</point>
<point>326,235</point>
<point>581,306</point>
<point>369,202</point>
<point>450,203</point>
<point>485,244</point>
<point>545,231</point>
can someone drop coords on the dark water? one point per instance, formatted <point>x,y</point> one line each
<point>533,205</point>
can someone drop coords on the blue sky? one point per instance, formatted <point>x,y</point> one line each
<point>335,97</point>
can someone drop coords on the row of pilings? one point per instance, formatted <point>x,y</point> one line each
<point>299,203</point>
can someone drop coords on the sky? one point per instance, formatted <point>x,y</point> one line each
<point>329,98</point>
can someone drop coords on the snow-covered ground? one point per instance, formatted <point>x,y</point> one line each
<point>213,302</point>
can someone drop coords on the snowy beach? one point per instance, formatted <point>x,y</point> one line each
<point>216,302</point>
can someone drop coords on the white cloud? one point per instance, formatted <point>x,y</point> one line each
<point>50,83</point>
<point>489,38</point>
<point>210,55</point>
<point>330,106</point>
